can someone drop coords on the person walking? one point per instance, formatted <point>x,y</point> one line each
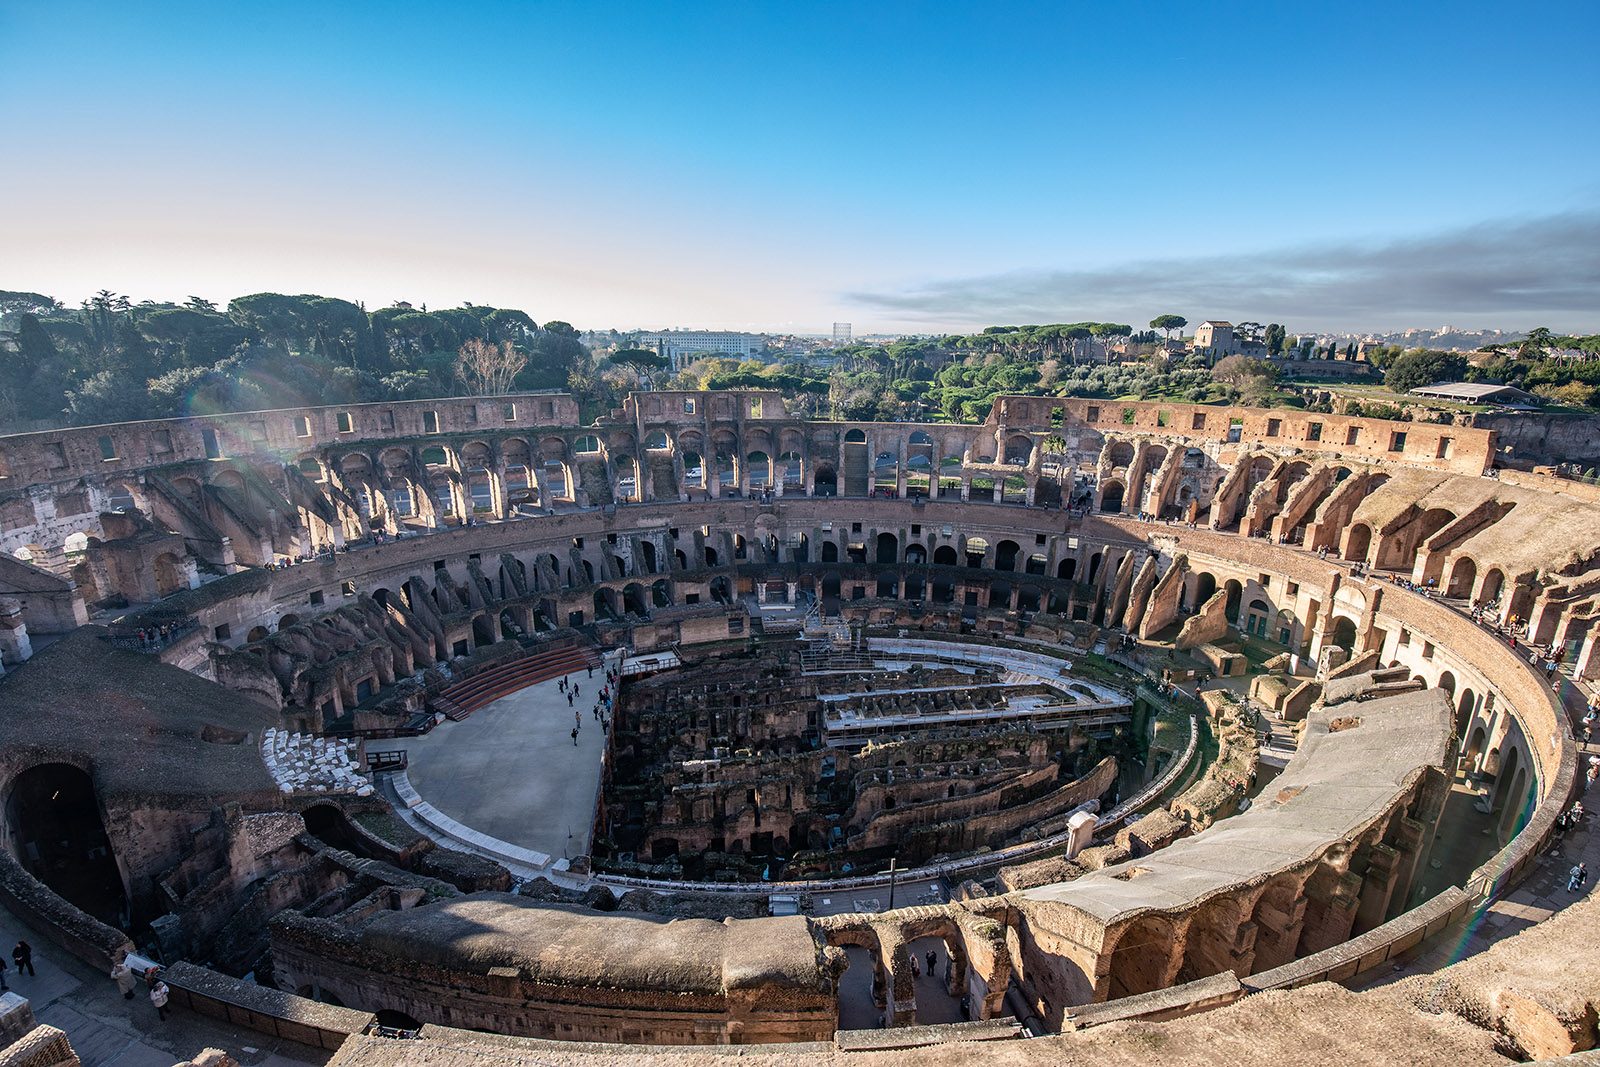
<point>933,957</point>
<point>158,996</point>
<point>574,737</point>
<point>1577,876</point>
<point>122,974</point>
<point>22,956</point>
<point>569,700</point>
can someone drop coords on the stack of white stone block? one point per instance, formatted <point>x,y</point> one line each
<point>301,763</point>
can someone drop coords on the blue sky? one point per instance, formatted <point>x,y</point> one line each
<point>780,166</point>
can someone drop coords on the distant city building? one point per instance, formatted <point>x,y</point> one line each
<point>1216,338</point>
<point>678,344</point>
<point>841,333</point>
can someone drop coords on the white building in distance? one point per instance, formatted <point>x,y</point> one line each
<point>678,344</point>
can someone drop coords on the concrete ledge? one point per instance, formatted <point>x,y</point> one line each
<point>901,1037</point>
<point>1173,1003</point>
<point>270,1011</point>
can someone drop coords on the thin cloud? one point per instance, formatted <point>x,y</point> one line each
<point>1522,270</point>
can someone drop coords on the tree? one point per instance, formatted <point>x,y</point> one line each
<point>1167,323</point>
<point>1275,338</point>
<point>1242,371</point>
<point>488,369</point>
<point>1423,366</point>
<point>1533,346</point>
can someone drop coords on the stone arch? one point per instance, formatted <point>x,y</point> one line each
<point>1111,493</point>
<point>1119,454</point>
<point>656,441</point>
<point>1018,450</point>
<point>1447,682</point>
<point>1358,542</point>
<point>58,825</point>
<point>1142,959</point>
<point>1344,633</point>
<point>1466,705</point>
<point>1067,568</point>
<point>826,481</point>
<point>945,556</point>
<point>888,548</point>
<point>1463,573</point>
<point>759,466</point>
<point>633,601</point>
<point>830,552</point>
<point>1235,590</point>
<point>169,575</point>
<point>976,550</point>
<point>1005,555</point>
<point>1494,580</point>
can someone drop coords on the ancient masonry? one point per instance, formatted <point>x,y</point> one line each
<point>264,579</point>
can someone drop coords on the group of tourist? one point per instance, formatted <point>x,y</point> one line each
<point>123,975</point>
<point>285,562</point>
<point>604,701</point>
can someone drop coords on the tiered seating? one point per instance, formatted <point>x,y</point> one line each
<point>457,701</point>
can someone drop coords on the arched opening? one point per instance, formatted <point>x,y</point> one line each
<point>1094,568</point>
<point>1493,583</point>
<point>830,587</point>
<point>60,836</point>
<point>1205,587</point>
<point>1067,568</point>
<point>977,548</point>
<point>1358,543</point>
<point>916,555</point>
<point>633,599</point>
<point>861,989</point>
<point>1464,709</point>
<point>694,472</point>
<point>888,548</point>
<point>792,470</point>
<point>826,482</point>
<point>888,586</point>
<point>830,552</point>
<point>482,631</point>
<point>1005,555</point>
<point>605,604</point>
<point>1111,497</point>
<point>647,550</point>
<point>656,442</point>
<point>661,593</point>
<point>1000,596</point>
<point>1140,961</point>
<point>1462,577</point>
<point>1235,596</point>
<point>1447,682</point>
<point>257,633</point>
<point>914,587</point>
<point>944,556</point>
<point>1344,633</point>
<point>760,467</point>
<point>168,574</point>
<point>1473,752</point>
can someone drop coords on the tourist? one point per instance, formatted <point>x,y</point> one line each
<point>574,737</point>
<point>22,956</point>
<point>122,974</point>
<point>158,995</point>
<point>932,958</point>
<point>1577,877</point>
<point>569,700</point>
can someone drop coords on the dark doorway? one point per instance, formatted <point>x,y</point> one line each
<point>61,839</point>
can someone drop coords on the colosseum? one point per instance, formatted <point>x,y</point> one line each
<point>1100,731</point>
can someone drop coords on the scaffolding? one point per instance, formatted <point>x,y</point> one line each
<point>828,645</point>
